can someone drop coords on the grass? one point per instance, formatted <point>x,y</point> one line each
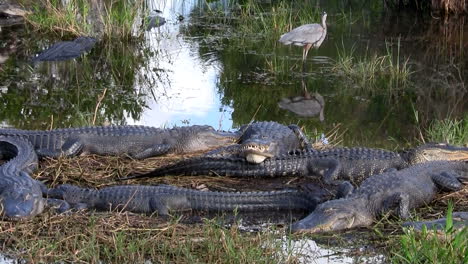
<point>127,238</point>
<point>453,131</point>
<point>373,72</point>
<point>426,247</point>
<point>114,19</point>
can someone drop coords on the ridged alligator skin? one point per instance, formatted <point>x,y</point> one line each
<point>135,141</point>
<point>394,191</point>
<point>162,199</point>
<point>354,164</point>
<point>20,195</point>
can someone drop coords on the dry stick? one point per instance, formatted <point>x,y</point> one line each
<point>98,104</point>
<point>51,122</point>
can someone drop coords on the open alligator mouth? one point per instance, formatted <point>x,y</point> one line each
<point>256,153</point>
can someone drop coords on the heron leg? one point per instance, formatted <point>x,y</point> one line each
<point>306,51</point>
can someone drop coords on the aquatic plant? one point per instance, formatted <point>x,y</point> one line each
<point>372,72</point>
<point>114,19</point>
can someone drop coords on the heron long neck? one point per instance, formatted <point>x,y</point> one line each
<point>324,18</point>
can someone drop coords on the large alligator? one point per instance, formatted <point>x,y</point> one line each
<point>354,164</point>
<point>21,196</point>
<point>261,140</point>
<point>163,199</point>
<point>138,142</point>
<point>393,191</point>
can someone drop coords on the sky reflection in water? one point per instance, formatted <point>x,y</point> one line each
<point>187,94</point>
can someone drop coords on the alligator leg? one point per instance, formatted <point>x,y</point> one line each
<point>332,169</point>
<point>155,150</point>
<point>345,189</point>
<point>162,204</point>
<point>71,147</point>
<point>447,180</point>
<point>58,205</point>
<point>400,202</point>
<point>301,136</point>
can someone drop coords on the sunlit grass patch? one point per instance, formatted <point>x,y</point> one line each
<point>427,247</point>
<point>116,19</point>
<point>128,238</point>
<point>372,71</point>
<point>453,131</point>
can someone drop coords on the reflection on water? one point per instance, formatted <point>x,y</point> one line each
<point>305,105</point>
<point>203,70</point>
<point>308,251</point>
<point>183,87</point>
<point>7,260</point>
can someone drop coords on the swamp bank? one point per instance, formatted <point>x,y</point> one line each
<point>387,77</point>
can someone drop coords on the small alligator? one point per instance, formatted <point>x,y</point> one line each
<point>354,164</point>
<point>393,191</point>
<point>163,199</point>
<point>65,50</point>
<point>20,195</point>
<point>138,142</point>
<point>459,221</point>
<point>261,140</point>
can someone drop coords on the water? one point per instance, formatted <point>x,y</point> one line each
<point>200,71</point>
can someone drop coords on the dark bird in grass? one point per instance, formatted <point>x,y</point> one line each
<point>65,50</point>
<point>308,36</point>
<point>155,20</point>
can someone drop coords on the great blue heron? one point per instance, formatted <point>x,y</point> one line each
<point>308,36</point>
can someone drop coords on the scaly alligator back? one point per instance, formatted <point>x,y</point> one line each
<point>355,164</point>
<point>20,195</point>
<point>135,141</point>
<point>165,198</point>
<point>393,191</point>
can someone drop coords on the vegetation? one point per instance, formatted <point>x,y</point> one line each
<point>453,131</point>
<point>373,72</point>
<point>109,19</point>
<point>127,238</point>
<point>442,6</point>
<point>426,247</point>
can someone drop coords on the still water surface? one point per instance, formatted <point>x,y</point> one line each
<point>201,70</point>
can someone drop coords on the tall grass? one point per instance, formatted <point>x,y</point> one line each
<point>453,131</point>
<point>110,19</point>
<point>373,71</point>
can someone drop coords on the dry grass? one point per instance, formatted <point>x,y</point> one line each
<point>126,237</point>
<point>450,6</point>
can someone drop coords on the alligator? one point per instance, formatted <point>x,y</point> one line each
<point>392,191</point>
<point>353,164</point>
<point>21,197</point>
<point>163,199</point>
<point>137,142</point>
<point>261,140</point>
<point>459,221</point>
<point>65,50</point>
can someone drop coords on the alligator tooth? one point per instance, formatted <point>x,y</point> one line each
<point>254,158</point>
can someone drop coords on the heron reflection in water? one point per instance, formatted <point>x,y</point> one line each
<point>307,105</point>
